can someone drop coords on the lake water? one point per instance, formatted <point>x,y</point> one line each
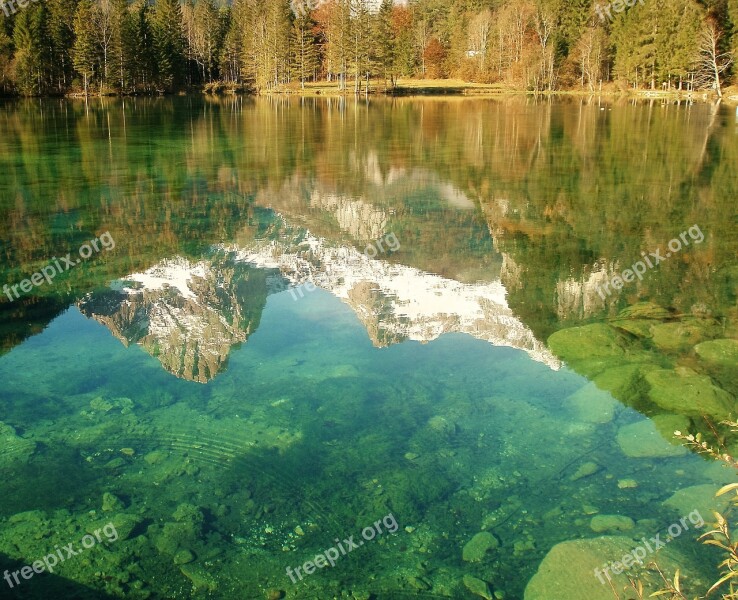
<point>424,339</point>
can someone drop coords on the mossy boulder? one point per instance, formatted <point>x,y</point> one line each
<point>667,424</point>
<point>586,342</point>
<point>605,523</point>
<point>699,498</point>
<point>570,571</point>
<point>476,549</point>
<point>644,310</point>
<point>644,440</point>
<point>719,353</point>
<point>589,349</point>
<point>678,336</point>
<point>638,327</point>
<point>686,392</point>
<point>14,449</point>
<point>478,587</point>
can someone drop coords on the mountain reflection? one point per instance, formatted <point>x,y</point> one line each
<point>190,314</point>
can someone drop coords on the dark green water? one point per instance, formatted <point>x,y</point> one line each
<point>305,318</point>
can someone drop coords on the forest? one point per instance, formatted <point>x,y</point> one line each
<point>121,47</point>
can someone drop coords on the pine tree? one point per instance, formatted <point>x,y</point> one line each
<point>61,40</point>
<point>166,26</point>
<point>31,58</point>
<point>230,54</point>
<point>207,38</point>
<point>384,47</point>
<point>84,52</point>
<point>303,47</point>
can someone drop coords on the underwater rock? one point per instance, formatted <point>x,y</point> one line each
<point>188,513</point>
<point>569,571</point>
<point>200,577</point>
<point>124,525</point>
<point>644,310</point>
<point>111,503</point>
<point>719,472</point>
<point>643,440</point>
<point>587,342</point>
<point>419,583</point>
<point>183,557</point>
<point>719,353</point>
<point>477,587</point>
<point>442,426</point>
<point>700,498</point>
<point>667,424</point>
<point>638,327</point>
<point>476,548</point>
<point>13,447</point>
<point>155,457</point>
<point>592,405</point>
<point>627,484</point>
<point>683,391</point>
<point>100,404</point>
<point>585,470</point>
<point>676,337</point>
<point>603,523</point>
<point>624,382</point>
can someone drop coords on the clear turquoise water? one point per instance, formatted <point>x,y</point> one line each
<point>323,417</point>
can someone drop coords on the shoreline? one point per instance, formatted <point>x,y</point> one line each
<point>427,88</point>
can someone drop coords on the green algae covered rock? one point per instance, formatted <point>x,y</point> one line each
<point>644,310</point>
<point>604,523</point>
<point>719,353</point>
<point>477,587</point>
<point>14,448</point>
<point>686,392</point>
<point>570,570</point>
<point>592,405</point>
<point>589,341</point>
<point>677,336</point>
<point>700,498</point>
<point>644,440</point>
<point>476,548</point>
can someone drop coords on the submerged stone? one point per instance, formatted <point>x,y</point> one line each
<point>589,341</point>
<point>14,448</point>
<point>200,577</point>
<point>477,587</point>
<point>638,327</point>
<point>592,405</point>
<point>678,336</point>
<point>643,440</point>
<point>644,310</point>
<point>476,548</point>
<point>604,523</point>
<point>719,353</point>
<point>700,498</point>
<point>585,470</point>
<point>570,570</point>
<point>685,392</point>
<point>111,502</point>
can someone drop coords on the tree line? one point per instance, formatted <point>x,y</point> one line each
<point>159,46</point>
